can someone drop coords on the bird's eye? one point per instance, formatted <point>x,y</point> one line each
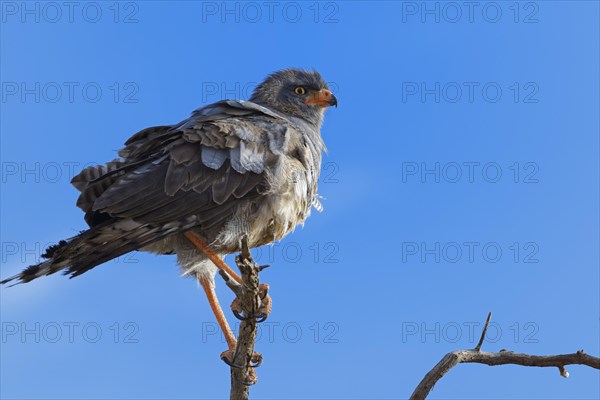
<point>300,90</point>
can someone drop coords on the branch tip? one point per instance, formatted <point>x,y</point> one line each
<point>503,357</point>
<point>245,249</point>
<point>485,328</point>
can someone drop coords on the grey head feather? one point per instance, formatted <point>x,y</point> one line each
<point>277,92</point>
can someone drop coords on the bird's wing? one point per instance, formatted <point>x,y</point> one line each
<point>203,166</point>
<point>170,179</point>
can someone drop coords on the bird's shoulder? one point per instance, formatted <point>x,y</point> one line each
<point>227,124</point>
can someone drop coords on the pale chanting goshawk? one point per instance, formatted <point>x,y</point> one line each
<point>234,168</point>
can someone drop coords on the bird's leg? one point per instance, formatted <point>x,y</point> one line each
<point>228,355</point>
<point>205,249</point>
<point>213,301</point>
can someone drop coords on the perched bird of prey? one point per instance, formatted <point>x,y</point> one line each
<point>233,169</point>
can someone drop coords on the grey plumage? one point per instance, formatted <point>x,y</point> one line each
<point>233,168</point>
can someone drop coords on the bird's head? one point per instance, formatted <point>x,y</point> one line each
<point>296,92</point>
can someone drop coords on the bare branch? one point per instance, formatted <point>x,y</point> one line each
<point>245,359</point>
<point>485,328</point>
<point>503,357</point>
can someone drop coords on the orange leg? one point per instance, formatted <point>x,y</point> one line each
<point>216,308</point>
<point>229,355</point>
<point>212,256</point>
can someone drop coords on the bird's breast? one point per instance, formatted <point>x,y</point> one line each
<point>288,205</point>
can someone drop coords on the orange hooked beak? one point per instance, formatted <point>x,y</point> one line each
<point>322,98</point>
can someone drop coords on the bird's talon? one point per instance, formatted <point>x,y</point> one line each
<point>251,378</point>
<point>236,308</point>
<point>227,357</point>
<point>265,309</point>
<point>263,290</point>
<point>261,318</point>
<point>256,360</point>
<point>240,315</point>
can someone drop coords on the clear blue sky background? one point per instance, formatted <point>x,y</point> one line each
<point>403,264</point>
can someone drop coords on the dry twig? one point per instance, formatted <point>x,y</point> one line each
<point>248,297</point>
<point>503,357</point>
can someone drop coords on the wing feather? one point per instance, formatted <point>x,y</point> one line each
<point>203,167</point>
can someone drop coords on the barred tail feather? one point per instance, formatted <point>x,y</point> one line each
<point>30,273</point>
<point>96,246</point>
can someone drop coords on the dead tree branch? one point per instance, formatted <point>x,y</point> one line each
<point>503,357</point>
<point>250,302</point>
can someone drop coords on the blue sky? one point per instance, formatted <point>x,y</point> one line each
<point>462,178</point>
